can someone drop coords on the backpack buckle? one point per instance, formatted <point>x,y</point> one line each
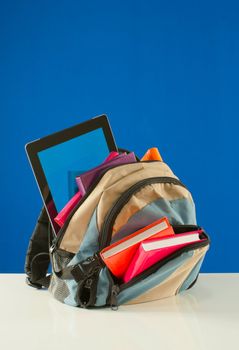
<point>86,268</point>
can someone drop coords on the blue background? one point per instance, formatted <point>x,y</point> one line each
<point>165,72</point>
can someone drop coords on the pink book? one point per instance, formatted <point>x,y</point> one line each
<point>151,251</point>
<point>62,216</point>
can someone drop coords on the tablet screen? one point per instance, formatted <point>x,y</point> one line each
<point>63,162</point>
<point>58,158</point>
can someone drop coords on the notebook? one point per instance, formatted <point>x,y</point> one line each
<point>151,251</point>
<point>86,179</point>
<point>118,255</point>
<point>64,213</point>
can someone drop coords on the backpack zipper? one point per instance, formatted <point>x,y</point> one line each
<point>106,231</point>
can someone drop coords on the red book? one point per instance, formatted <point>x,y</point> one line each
<point>151,251</point>
<point>118,255</point>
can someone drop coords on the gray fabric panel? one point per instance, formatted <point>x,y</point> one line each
<point>90,243</point>
<point>58,288</point>
<point>71,298</point>
<point>154,279</point>
<point>102,288</point>
<point>179,211</point>
<point>192,276</point>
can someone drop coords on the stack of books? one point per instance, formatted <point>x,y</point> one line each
<point>137,252</point>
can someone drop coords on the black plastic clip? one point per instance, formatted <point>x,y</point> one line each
<point>113,299</point>
<point>86,268</point>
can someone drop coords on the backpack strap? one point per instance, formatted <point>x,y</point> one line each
<point>38,257</point>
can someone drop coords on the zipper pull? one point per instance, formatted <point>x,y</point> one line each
<point>53,245</point>
<point>52,248</point>
<point>113,299</point>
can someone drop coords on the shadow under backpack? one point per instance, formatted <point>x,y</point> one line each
<point>124,198</point>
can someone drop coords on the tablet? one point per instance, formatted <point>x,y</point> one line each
<point>58,158</point>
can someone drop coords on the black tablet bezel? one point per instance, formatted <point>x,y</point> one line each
<point>34,147</point>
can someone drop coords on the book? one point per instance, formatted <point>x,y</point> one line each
<point>64,213</point>
<point>152,154</point>
<point>151,251</point>
<point>118,255</point>
<point>86,179</point>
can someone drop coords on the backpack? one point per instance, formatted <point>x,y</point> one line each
<point>124,199</point>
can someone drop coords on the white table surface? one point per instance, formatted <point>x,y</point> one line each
<point>205,317</point>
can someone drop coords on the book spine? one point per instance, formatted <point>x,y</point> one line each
<point>80,186</point>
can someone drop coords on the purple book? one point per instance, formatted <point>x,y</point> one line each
<point>85,180</point>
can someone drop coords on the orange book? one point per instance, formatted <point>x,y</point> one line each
<point>152,154</point>
<point>118,255</point>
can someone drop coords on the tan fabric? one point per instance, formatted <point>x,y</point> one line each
<point>110,195</point>
<point>174,282</point>
<point>110,187</point>
<point>149,195</point>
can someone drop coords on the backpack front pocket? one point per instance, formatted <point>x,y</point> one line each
<point>165,278</point>
<point>107,227</point>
